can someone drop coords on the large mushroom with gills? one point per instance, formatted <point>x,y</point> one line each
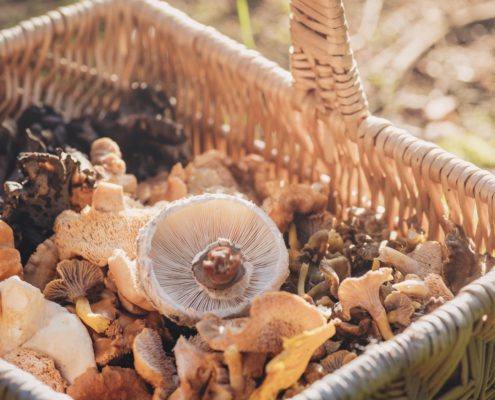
<point>212,253</point>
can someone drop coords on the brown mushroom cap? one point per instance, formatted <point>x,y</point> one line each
<point>399,308</point>
<point>273,316</point>
<point>334,361</point>
<point>285,201</point>
<point>151,362</point>
<point>79,278</point>
<point>182,236</point>
<point>113,383</point>
<point>335,270</point>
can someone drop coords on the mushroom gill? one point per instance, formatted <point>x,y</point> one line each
<point>79,279</point>
<point>210,254</point>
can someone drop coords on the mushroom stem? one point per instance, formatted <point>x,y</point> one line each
<point>221,265</point>
<point>381,320</point>
<point>233,359</point>
<point>303,273</point>
<point>404,263</point>
<point>318,289</point>
<point>96,321</point>
<point>293,240</point>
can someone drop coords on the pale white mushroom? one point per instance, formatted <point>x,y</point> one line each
<point>106,158</point>
<point>210,254</point>
<point>124,274</point>
<point>30,321</point>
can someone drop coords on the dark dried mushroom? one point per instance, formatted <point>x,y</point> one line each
<point>316,247</point>
<point>230,252</point>
<point>462,264</point>
<point>148,137</point>
<point>335,270</point>
<point>79,280</point>
<point>307,225</point>
<point>7,151</point>
<point>32,204</point>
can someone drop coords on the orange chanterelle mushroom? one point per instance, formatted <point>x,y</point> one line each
<point>210,254</point>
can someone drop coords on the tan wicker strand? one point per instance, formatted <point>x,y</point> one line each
<point>81,58</point>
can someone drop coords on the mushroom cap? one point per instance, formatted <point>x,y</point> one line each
<point>113,383</point>
<point>273,316</point>
<point>169,243</point>
<point>336,360</point>
<point>150,360</point>
<point>399,307</point>
<point>437,287</point>
<point>10,258</point>
<point>93,234</point>
<point>124,275</point>
<point>41,266</point>
<point>363,291</point>
<point>10,263</point>
<point>79,278</point>
<point>6,236</point>
<point>37,364</point>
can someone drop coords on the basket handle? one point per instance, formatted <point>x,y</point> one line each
<point>322,61</point>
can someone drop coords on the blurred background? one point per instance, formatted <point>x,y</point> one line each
<point>429,66</point>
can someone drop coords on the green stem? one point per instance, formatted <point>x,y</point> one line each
<point>245,22</point>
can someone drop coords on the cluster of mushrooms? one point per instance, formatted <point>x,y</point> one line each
<point>212,280</point>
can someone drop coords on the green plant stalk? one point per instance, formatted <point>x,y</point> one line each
<point>245,23</point>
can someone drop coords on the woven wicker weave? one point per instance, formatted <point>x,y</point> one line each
<point>82,57</point>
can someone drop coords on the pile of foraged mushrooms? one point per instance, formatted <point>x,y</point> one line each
<point>213,280</point>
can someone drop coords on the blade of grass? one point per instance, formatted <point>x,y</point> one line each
<point>245,22</point>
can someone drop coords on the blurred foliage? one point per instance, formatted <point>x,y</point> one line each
<point>434,78</point>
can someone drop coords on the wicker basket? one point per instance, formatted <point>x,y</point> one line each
<point>81,58</point>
